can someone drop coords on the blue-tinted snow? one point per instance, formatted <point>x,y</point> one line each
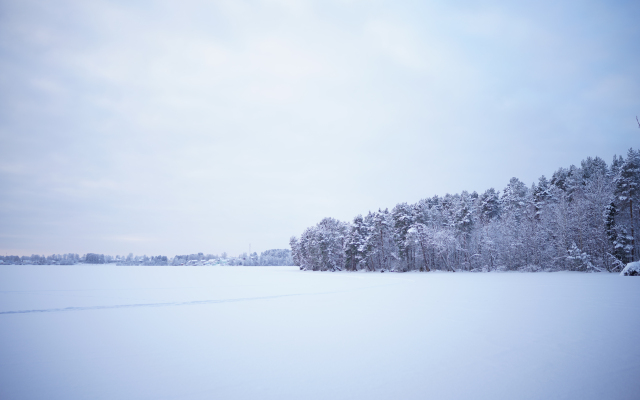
<point>107,332</point>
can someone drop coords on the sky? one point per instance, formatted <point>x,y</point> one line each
<point>218,126</point>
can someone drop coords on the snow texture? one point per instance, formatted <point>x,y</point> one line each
<point>632,269</point>
<point>109,332</point>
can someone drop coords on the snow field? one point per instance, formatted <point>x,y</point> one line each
<point>280,333</point>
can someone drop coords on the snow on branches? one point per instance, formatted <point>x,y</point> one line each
<point>582,219</point>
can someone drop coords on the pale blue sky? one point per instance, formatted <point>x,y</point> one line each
<point>179,127</point>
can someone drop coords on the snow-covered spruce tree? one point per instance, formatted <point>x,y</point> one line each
<point>626,190</point>
<point>541,195</point>
<point>616,163</point>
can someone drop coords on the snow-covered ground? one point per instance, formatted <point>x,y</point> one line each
<point>108,332</point>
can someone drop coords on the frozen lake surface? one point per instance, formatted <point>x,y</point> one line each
<point>107,332</point>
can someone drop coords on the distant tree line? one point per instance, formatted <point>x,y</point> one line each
<point>59,259</point>
<point>142,260</point>
<point>268,257</point>
<point>582,219</point>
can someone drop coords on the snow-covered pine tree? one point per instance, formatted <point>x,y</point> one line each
<point>489,205</point>
<point>402,219</point>
<point>355,246</point>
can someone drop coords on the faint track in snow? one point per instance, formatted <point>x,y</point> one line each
<point>197,302</point>
<point>169,304</point>
<point>183,303</point>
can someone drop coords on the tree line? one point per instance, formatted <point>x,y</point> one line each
<point>266,258</point>
<point>582,219</point>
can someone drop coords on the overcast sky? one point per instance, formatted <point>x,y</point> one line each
<point>181,127</point>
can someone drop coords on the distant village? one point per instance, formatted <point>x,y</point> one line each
<point>266,258</point>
